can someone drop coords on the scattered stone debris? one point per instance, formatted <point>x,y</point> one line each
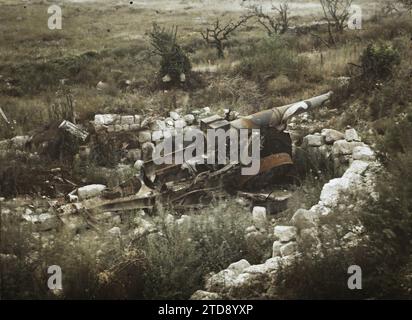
<point>253,282</point>
<point>137,191</point>
<point>73,130</point>
<point>133,184</point>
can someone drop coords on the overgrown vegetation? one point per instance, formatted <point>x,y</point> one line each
<point>175,65</point>
<point>383,250</point>
<point>168,264</point>
<point>378,62</point>
<point>269,59</point>
<point>252,72</point>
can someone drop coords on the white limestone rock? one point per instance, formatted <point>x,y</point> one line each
<point>364,153</point>
<point>180,124</point>
<point>257,268</point>
<point>351,135</point>
<point>288,249</point>
<point>90,191</point>
<point>127,120</point>
<point>205,295</point>
<point>239,267</point>
<point>189,118</point>
<point>343,147</point>
<point>145,136</point>
<point>357,167</point>
<point>285,233</point>
<point>259,216</point>
<point>221,281</point>
<point>138,165</point>
<point>169,123</point>
<point>105,119</point>
<point>332,135</point>
<point>272,264</point>
<point>174,115</point>
<point>276,248</point>
<point>157,136</point>
<point>304,219</point>
<point>332,190</point>
<point>248,286</point>
<point>313,140</point>
<point>137,119</point>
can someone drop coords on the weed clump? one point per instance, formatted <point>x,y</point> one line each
<point>175,66</point>
<point>378,61</point>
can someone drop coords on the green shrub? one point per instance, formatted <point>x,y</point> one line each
<point>383,251</point>
<point>178,260</point>
<point>174,60</point>
<point>168,264</point>
<point>378,61</point>
<point>269,59</point>
<point>392,98</point>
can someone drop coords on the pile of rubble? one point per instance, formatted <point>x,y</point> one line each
<point>343,148</point>
<point>119,123</point>
<point>69,211</point>
<point>242,280</point>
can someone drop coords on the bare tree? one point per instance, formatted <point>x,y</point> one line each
<point>390,7</point>
<point>283,16</point>
<point>396,7</point>
<point>407,4</point>
<point>219,33</point>
<point>336,13</point>
<point>278,23</point>
<point>265,20</point>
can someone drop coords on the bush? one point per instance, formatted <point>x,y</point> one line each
<point>178,260</point>
<point>383,251</point>
<point>378,61</point>
<point>174,61</point>
<point>29,254</point>
<point>271,58</point>
<point>167,264</point>
<point>392,98</point>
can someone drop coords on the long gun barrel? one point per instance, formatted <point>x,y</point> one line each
<point>278,116</point>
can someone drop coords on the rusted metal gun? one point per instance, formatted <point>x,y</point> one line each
<point>277,117</point>
<point>277,145</point>
<point>187,189</point>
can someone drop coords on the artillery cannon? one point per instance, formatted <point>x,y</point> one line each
<point>192,184</point>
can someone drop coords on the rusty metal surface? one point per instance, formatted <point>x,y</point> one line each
<point>268,163</point>
<point>144,199</point>
<point>279,115</point>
